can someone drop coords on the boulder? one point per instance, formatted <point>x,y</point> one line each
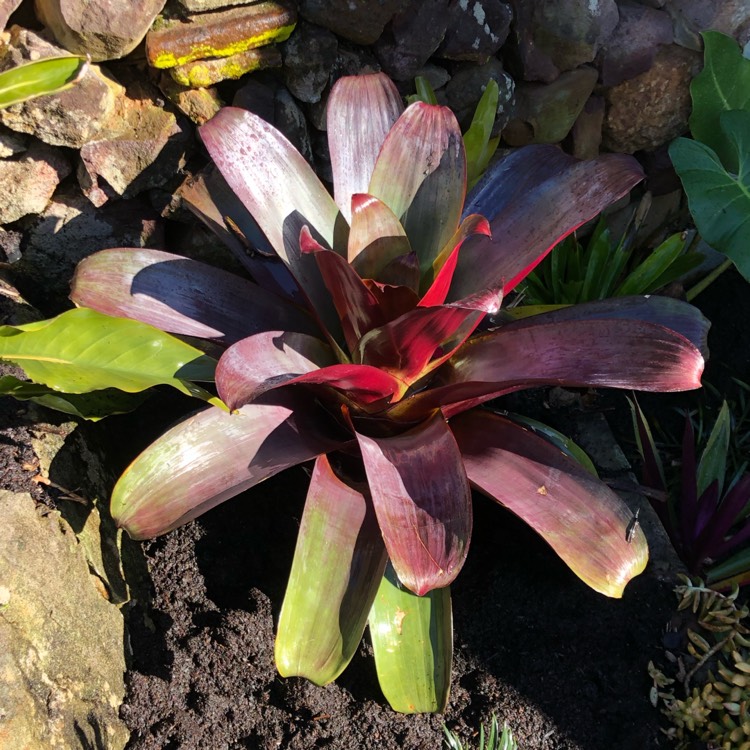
<point>199,105</point>
<point>554,36</point>
<point>412,37</point>
<point>476,30</point>
<point>6,9</point>
<point>652,108</point>
<point>693,16</point>
<point>359,21</point>
<point>202,73</point>
<point>546,113</point>
<point>69,118</point>
<point>222,33</point>
<point>634,43</point>
<point>27,183</point>
<point>102,29</point>
<point>465,89</point>
<point>309,56</point>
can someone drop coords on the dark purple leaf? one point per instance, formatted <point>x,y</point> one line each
<point>578,516</point>
<point>533,199</point>
<point>423,503</point>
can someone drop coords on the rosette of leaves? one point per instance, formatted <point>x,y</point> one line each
<point>371,352</point>
<point>706,509</point>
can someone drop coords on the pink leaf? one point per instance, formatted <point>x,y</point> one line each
<point>281,191</point>
<point>422,501</point>
<point>361,110</point>
<point>579,516</point>
<point>180,295</point>
<point>209,458</point>
<point>588,346</point>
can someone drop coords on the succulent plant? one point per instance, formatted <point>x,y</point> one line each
<point>713,672</point>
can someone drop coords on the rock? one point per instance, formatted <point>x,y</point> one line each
<point>62,660</point>
<point>70,229</point>
<point>200,105</point>
<point>654,107</point>
<point>290,120</point>
<point>257,96</point>
<point>558,35</point>
<point>412,37</point>
<point>436,76</point>
<point>6,9</point>
<point>309,56</point>
<point>103,29</point>
<point>218,34</point>
<point>476,29</point>
<point>69,118</point>
<point>359,21</point>
<point>587,129</point>
<point>144,147</point>
<point>693,16</point>
<point>465,89</point>
<point>27,183</point>
<point>201,6</point>
<point>201,73</point>
<point>634,43</point>
<point>11,143</point>
<point>545,113</point>
<point>10,245</point>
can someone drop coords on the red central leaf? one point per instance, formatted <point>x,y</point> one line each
<point>423,502</point>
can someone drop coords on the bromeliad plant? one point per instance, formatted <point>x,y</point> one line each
<point>375,366</point>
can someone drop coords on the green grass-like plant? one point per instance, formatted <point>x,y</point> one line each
<point>495,739</point>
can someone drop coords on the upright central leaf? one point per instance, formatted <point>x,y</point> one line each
<point>423,502</point>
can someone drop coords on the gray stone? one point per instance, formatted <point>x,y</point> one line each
<point>412,38</point>
<point>309,57</point>
<point>693,16</point>
<point>634,43</point>
<point>199,105</point>
<point>6,9</point>
<point>476,29</point>
<point>27,183</point>
<point>545,113</point>
<point>652,108</point>
<point>144,147</point>
<point>70,229</point>
<point>435,75</point>
<point>11,143</point>
<point>587,129</point>
<point>559,35</point>
<point>465,89</point>
<point>69,118</point>
<point>103,29</point>
<point>62,660</point>
<point>290,120</point>
<point>359,21</point>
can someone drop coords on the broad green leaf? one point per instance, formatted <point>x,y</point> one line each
<point>82,350</point>
<point>719,198</point>
<point>39,78</point>
<point>579,516</point>
<point>338,564</point>
<point>722,85</point>
<point>712,466</point>
<point>423,502</point>
<point>210,457</point>
<point>94,405</point>
<point>360,112</point>
<point>412,638</point>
